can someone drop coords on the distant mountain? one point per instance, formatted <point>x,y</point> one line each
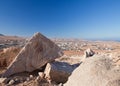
<point>1,35</point>
<point>4,38</point>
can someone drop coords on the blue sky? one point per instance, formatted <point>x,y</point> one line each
<point>92,19</point>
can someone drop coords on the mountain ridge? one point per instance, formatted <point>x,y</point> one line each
<point>1,34</point>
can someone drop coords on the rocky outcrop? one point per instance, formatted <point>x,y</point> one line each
<point>36,53</point>
<point>95,71</point>
<point>59,71</point>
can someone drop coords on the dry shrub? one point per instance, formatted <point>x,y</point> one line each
<point>7,55</point>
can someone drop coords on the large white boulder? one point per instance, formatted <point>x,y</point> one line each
<point>95,71</point>
<point>36,53</point>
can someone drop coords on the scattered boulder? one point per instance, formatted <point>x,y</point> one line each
<point>31,76</point>
<point>96,71</point>
<point>36,53</point>
<point>41,74</point>
<point>59,71</point>
<point>2,80</point>
<point>11,82</point>
<point>89,52</point>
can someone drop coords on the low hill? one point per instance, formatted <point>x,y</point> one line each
<point>11,39</point>
<point>1,35</point>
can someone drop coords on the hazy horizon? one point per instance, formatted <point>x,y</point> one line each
<point>84,19</point>
<point>69,38</point>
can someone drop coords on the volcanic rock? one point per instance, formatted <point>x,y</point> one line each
<point>36,53</point>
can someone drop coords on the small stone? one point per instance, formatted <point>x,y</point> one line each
<point>28,79</point>
<point>41,74</point>
<point>61,84</point>
<point>11,82</point>
<point>2,80</point>
<point>16,79</point>
<point>31,76</point>
<point>25,82</point>
<point>38,78</point>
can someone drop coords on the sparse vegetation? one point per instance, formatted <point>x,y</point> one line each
<point>7,56</point>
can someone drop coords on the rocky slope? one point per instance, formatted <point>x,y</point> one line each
<point>79,66</point>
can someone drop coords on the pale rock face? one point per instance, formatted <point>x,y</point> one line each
<point>36,53</point>
<point>96,71</point>
<point>59,71</point>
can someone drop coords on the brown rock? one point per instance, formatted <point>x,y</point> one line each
<point>96,71</point>
<point>36,53</point>
<point>58,71</point>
